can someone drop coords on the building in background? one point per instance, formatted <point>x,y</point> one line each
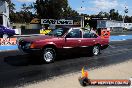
<point>99,22</point>
<point>128,26</point>
<point>4,14</point>
<point>112,24</point>
<point>115,26</point>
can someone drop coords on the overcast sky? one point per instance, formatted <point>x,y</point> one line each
<point>91,6</point>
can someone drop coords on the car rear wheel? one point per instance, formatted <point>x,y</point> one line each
<point>5,35</point>
<point>49,55</point>
<point>95,50</point>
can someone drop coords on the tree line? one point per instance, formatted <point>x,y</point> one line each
<point>55,9</point>
<point>112,15</point>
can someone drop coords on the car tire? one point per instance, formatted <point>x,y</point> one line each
<point>48,55</point>
<point>5,36</point>
<point>95,50</point>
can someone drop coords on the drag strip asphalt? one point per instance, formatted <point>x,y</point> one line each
<point>18,69</point>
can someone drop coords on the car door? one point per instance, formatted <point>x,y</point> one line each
<point>73,39</point>
<point>89,39</point>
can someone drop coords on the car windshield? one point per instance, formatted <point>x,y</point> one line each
<point>58,32</point>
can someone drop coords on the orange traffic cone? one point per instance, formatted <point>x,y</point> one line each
<point>84,73</point>
<point>84,80</point>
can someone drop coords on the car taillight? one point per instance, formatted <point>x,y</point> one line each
<point>32,45</point>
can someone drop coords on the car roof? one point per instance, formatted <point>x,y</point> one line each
<point>83,29</point>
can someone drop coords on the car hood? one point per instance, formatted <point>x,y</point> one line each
<point>37,38</point>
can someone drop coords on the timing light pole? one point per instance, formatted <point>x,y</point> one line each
<point>125,11</point>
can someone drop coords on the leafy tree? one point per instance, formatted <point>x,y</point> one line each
<point>114,14</point>
<point>128,19</point>
<point>11,5</point>
<point>101,14</point>
<point>6,0</point>
<point>26,8</point>
<point>11,9</point>
<point>25,13</point>
<point>53,9</point>
<point>69,13</point>
<point>120,18</point>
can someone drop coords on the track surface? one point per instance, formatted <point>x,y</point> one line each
<point>18,69</point>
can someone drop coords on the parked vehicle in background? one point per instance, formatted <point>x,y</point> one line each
<point>130,29</point>
<point>62,40</point>
<point>6,32</point>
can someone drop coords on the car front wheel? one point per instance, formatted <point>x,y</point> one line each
<point>49,55</point>
<point>95,50</point>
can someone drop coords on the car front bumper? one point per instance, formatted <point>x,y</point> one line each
<point>29,50</point>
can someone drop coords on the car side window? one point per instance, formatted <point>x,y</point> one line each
<point>93,35</point>
<point>88,34</point>
<point>75,33</point>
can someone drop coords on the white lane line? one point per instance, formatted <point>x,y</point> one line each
<point>8,50</point>
<point>122,35</point>
<point>112,46</point>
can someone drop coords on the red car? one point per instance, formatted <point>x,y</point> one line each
<point>63,40</point>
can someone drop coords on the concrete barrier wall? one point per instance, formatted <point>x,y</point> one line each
<point>26,26</point>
